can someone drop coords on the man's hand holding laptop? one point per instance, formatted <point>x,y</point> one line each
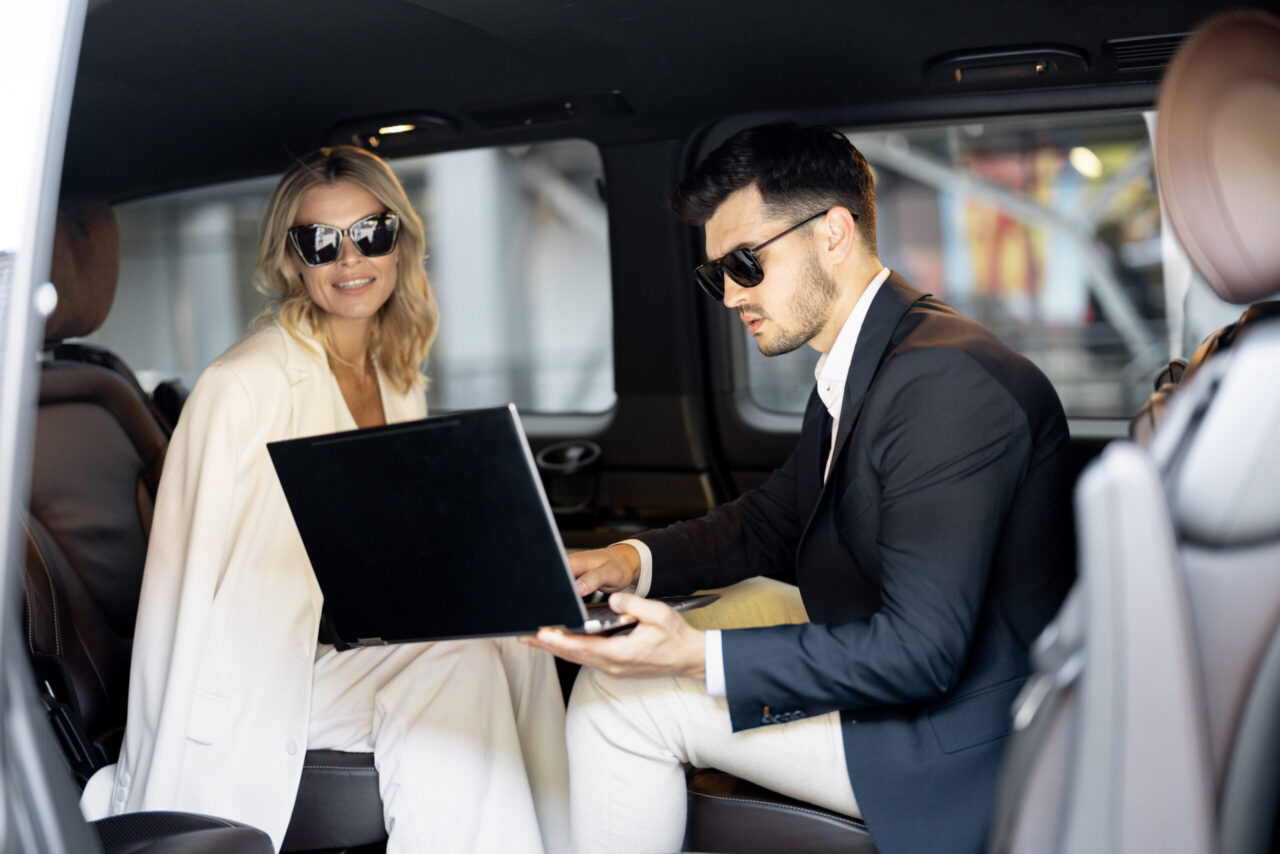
<point>662,642</point>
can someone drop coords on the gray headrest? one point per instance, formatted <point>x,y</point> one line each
<point>1217,152</point>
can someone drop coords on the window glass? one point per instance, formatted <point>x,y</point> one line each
<point>1048,232</point>
<point>518,257</point>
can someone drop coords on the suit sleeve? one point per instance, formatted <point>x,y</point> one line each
<point>950,445</point>
<point>753,535</point>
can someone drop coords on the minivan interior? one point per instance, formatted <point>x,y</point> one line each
<point>1097,185</point>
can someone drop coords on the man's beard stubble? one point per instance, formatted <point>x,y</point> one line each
<point>810,310</point>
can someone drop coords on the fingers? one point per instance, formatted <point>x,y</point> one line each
<point>662,643</point>
<point>589,582</point>
<point>580,562</point>
<point>586,569</point>
<point>645,610</point>
<point>579,649</point>
<point>601,569</point>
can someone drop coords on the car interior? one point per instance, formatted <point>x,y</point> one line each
<point>1097,185</point>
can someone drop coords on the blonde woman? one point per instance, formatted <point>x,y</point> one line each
<point>229,687</point>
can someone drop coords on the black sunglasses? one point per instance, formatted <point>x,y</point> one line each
<point>318,245</point>
<point>741,264</point>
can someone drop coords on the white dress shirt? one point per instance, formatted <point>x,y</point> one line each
<point>830,373</point>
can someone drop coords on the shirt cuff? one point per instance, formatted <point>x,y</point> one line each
<point>645,579</point>
<point>714,665</point>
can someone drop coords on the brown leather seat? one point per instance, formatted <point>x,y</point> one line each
<point>99,450</point>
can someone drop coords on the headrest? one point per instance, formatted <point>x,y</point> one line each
<point>86,264</point>
<point>1217,152</point>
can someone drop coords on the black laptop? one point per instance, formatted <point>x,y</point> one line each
<point>432,530</point>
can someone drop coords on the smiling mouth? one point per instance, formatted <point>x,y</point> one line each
<point>353,284</point>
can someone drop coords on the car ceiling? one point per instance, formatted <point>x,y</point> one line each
<point>177,94</point>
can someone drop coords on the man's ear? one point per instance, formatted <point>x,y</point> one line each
<point>841,232</point>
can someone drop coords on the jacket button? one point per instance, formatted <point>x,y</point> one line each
<point>291,747</point>
<point>123,779</point>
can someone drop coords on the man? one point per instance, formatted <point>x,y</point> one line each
<point>925,511</point>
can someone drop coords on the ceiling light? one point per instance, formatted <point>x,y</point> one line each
<point>1084,161</point>
<point>397,134</point>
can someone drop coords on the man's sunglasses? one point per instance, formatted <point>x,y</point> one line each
<point>318,245</point>
<point>742,265</point>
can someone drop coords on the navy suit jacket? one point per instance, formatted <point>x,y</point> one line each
<point>934,553</point>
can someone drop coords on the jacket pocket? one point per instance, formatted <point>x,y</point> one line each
<point>207,719</point>
<point>983,716</point>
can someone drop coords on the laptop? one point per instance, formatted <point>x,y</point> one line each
<point>432,530</point>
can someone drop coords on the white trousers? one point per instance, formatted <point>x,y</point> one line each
<point>630,740</point>
<point>467,737</point>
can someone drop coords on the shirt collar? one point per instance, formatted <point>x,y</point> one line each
<point>833,367</point>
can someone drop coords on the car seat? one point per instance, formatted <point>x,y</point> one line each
<point>99,451</point>
<point>1171,377</point>
<point>1153,721</point>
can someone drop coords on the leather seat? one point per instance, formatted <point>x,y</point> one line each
<point>1153,721</point>
<point>99,450</point>
<point>729,814</point>
<point>1151,414</point>
<point>338,805</point>
<point>178,833</point>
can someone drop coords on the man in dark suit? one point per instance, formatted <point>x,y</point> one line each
<point>925,512</point>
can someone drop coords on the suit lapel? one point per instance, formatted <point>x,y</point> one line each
<point>896,296</point>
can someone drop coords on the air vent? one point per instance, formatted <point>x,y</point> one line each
<point>1145,53</point>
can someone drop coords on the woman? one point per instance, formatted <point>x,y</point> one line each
<point>229,688</point>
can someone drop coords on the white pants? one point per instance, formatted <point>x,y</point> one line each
<point>630,739</point>
<point>467,737</point>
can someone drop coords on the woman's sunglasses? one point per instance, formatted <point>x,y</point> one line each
<point>742,265</point>
<point>318,245</point>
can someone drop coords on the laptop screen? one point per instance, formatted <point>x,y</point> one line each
<point>429,529</point>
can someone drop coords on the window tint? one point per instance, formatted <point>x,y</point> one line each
<point>518,256</point>
<point>1048,232</point>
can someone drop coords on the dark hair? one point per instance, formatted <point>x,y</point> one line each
<point>798,170</point>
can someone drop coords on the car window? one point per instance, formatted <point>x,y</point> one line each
<point>1048,232</point>
<point>518,256</point>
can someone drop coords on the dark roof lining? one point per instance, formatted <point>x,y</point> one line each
<point>226,89</point>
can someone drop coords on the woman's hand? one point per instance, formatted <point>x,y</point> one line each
<point>608,569</point>
<point>661,644</point>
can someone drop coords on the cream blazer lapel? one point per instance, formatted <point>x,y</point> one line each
<point>315,395</point>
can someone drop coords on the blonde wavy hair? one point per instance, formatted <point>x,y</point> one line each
<point>406,324</point>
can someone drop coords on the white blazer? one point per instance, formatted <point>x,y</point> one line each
<point>220,687</point>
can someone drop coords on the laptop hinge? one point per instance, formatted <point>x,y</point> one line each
<point>369,642</point>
